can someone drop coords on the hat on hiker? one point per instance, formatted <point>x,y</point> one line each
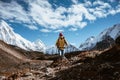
<point>60,34</point>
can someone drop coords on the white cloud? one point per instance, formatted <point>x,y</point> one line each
<point>99,14</point>
<point>73,29</point>
<point>75,1</point>
<point>112,11</point>
<point>83,24</point>
<point>32,27</point>
<point>59,30</point>
<point>98,2</point>
<point>13,11</point>
<point>118,9</point>
<point>45,30</point>
<point>41,12</point>
<point>101,10</point>
<point>87,3</point>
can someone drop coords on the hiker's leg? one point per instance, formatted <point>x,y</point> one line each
<point>58,51</point>
<point>62,53</point>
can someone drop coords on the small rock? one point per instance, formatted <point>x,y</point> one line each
<point>27,74</point>
<point>2,77</point>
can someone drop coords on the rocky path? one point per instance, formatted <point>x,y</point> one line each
<point>32,70</point>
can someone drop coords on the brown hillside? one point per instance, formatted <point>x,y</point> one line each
<point>105,66</point>
<point>9,57</point>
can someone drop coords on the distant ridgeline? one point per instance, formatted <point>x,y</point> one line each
<point>104,40</point>
<point>54,50</point>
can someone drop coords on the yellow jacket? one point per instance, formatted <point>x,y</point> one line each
<point>61,43</point>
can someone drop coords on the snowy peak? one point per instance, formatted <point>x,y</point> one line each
<point>112,32</point>
<point>39,44</point>
<point>109,34</point>
<point>115,32</point>
<point>90,39</point>
<point>88,43</point>
<point>6,32</point>
<point>70,48</point>
<point>9,36</point>
<point>4,25</point>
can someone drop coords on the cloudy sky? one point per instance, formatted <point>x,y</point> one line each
<point>44,19</point>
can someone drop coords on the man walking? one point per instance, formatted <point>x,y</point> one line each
<point>61,43</point>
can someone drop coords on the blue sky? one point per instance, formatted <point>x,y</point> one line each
<point>44,19</point>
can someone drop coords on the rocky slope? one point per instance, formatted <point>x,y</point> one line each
<point>79,65</point>
<point>11,51</point>
<point>10,57</point>
<point>18,63</point>
<point>105,66</point>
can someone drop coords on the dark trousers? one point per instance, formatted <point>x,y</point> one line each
<point>61,52</point>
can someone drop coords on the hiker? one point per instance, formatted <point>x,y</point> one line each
<point>60,44</point>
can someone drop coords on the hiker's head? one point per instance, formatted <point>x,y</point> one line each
<point>60,35</point>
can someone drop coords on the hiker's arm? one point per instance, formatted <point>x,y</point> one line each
<point>66,43</point>
<point>56,44</point>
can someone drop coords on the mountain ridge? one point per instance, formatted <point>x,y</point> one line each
<point>9,36</point>
<point>112,32</point>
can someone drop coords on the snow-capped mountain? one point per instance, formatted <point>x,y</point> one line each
<point>107,34</point>
<point>113,32</point>
<point>54,50</point>
<point>88,43</point>
<point>9,36</point>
